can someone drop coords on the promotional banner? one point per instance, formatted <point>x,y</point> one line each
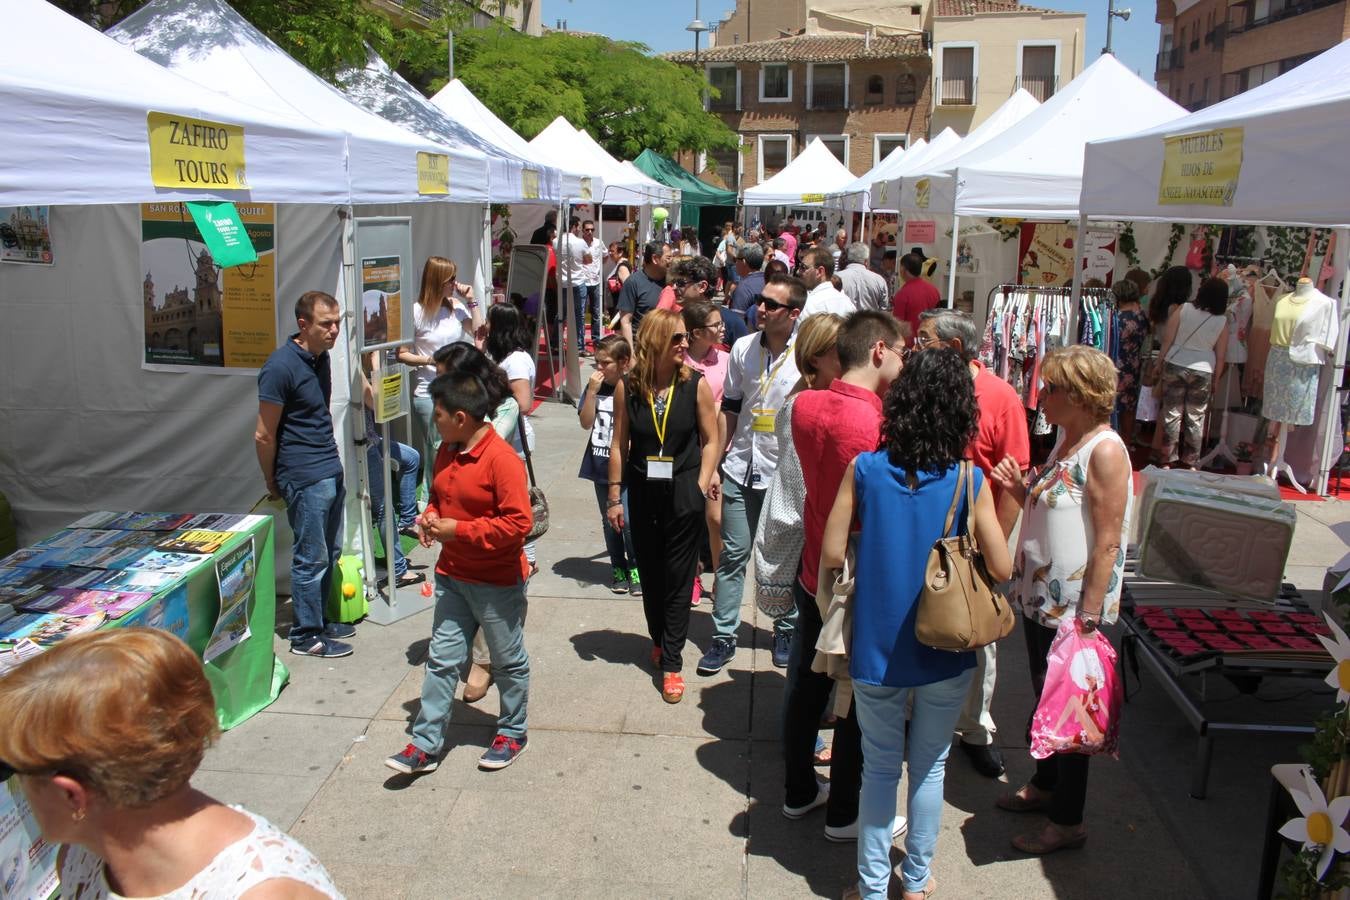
<point>195,153</point>
<point>24,236</point>
<point>1046,254</point>
<point>234,576</point>
<point>384,262</point>
<point>381,299</point>
<point>1201,168</point>
<point>433,173</point>
<point>196,313</point>
<point>226,237</point>
<point>1099,256</point>
<point>920,231</point>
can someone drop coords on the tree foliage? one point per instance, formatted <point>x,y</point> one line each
<point>627,100</point>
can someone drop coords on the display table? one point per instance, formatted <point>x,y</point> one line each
<point>1144,641</point>
<point>246,676</point>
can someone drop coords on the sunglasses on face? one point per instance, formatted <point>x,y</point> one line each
<point>769,305</point>
<point>679,337</point>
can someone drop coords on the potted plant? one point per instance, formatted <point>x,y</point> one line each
<point>1243,462</point>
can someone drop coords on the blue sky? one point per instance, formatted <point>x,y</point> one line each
<point>660,25</point>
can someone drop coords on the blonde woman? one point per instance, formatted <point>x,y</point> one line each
<point>445,312</point>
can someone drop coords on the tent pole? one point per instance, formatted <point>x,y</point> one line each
<point>560,370</point>
<point>951,265</point>
<point>356,401</point>
<point>1331,442</point>
<point>1079,237</point>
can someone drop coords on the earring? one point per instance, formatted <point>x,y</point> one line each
<point>78,815</point>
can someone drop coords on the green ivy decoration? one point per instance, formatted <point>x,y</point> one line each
<point>1126,245</point>
<point>1007,228</point>
<point>1174,241</point>
<point>1288,246</point>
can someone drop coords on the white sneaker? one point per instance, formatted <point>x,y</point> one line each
<point>822,797</point>
<point>845,834</point>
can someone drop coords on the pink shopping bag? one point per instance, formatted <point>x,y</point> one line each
<point>1082,700</point>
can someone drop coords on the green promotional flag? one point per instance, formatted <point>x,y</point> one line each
<point>223,232</point>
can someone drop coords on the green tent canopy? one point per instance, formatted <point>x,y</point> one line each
<point>693,192</point>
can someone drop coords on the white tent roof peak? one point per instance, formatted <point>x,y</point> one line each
<point>813,173</point>
<point>621,186</point>
<point>208,42</point>
<point>76,82</point>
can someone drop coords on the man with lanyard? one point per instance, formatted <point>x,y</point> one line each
<point>760,376</point>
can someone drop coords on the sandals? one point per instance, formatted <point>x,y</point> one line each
<point>853,893</point>
<point>822,757</point>
<point>1019,802</point>
<point>408,579</point>
<point>1036,843</point>
<point>672,687</point>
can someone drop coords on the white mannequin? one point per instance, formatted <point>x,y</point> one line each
<point>1305,349</point>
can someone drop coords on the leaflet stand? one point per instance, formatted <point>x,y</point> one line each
<point>1222,450</point>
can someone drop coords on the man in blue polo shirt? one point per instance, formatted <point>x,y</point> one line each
<point>299,460</point>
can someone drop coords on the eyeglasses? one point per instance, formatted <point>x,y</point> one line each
<point>712,326</point>
<point>922,340</point>
<point>903,352</point>
<point>769,305</point>
<point>679,337</point>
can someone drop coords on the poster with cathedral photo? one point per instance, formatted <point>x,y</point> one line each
<point>196,314</point>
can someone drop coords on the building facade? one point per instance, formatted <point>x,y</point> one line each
<point>984,50</point>
<point>863,95</point>
<point>1210,50</point>
<point>520,15</point>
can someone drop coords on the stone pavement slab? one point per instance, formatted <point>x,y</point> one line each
<point>622,795</point>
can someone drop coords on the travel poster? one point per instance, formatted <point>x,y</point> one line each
<point>381,299</point>
<point>27,862</point>
<point>25,236</point>
<point>234,576</point>
<point>197,314</point>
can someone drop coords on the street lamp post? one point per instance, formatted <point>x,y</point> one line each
<point>698,26</point>
<point>1111,13</point>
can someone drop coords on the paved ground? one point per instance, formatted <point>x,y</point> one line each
<point>621,795</point>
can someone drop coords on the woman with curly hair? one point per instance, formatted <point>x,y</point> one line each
<point>900,495</point>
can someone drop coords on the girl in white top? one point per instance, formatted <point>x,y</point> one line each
<point>508,345</point>
<point>104,731</point>
<point>445,312</point>
<point>1194,347</point>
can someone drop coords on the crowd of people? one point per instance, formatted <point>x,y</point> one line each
<point>737,409</point>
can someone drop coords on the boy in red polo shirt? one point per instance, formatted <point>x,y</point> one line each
<point>479,511</point>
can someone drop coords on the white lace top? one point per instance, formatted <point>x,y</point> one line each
<point>263,854</point>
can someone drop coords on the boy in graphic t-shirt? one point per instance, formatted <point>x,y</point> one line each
<point>613,356</point>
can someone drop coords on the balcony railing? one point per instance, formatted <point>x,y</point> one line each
<point>958,90</point>
<point>1240,15</point>
<point>1170,60</point>
<point>828,96</point>
<point>725,103</point>
<point>1042,87</point>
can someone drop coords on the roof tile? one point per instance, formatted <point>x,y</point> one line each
<point>810,48</point>
<point>948,8</point>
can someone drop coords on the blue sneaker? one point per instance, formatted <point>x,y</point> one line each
<point>323,648</point>
<point>722,651</point>
<point>339,630</point>
<point>782,646</point>
<point>503,752</point>
<point>412,761</point>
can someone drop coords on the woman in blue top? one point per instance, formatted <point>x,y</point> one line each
<point>899,496</point>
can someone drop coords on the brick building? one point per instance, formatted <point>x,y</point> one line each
<point>863,95</point>
<point>1210,50</point>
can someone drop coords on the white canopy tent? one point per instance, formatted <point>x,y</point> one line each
<point>1013,110</point>
<point>884,193</point>
<point>856,195</point>
<point>805,181</point>
<point>458,103</point>
<point>382,91</point>
<point>621,187</point>
<point>76,131</point>
<point>208,42</point>
<point>1292,170</point>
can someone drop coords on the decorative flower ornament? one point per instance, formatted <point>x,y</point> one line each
<point>1321,825</point>
<point>1339,676</point>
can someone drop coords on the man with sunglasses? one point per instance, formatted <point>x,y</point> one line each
<point>695,279</point>
<point>1002,432</point>
<point>760,375</point>
<point>586,252</point>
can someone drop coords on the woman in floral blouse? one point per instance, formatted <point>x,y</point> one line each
<point>1134,329</point>
<point>1070,560</point>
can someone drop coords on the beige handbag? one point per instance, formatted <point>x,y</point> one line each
<point>959,608</point>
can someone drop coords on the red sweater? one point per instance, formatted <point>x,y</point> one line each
<point>486,491</point>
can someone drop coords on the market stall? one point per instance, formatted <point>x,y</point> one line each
<point>1272,155</point>
<point>703,207</point>
<point>803,182</point>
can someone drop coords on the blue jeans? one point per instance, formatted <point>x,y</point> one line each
<point>315,514</point>
<point>426,436</point>
<point>620,546</point>
<point>881,716</point>
<point>461,609</point>
<point>741,506</point>
<point>408,464</point>
<point>584,295</point>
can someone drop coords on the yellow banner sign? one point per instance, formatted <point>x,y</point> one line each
<point>433,173</point>
<point>389,397</point>
<point>586,190</point>
<point>1201,168</point>
<point>813,198</point>
<point>529,184</point>
<point>881,191</point>
<point>923,191</point>
<point>195,153</point>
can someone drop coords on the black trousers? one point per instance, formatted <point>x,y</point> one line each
<point>804,702</point>
<point>666,546</point>
<point>1063,775</point>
